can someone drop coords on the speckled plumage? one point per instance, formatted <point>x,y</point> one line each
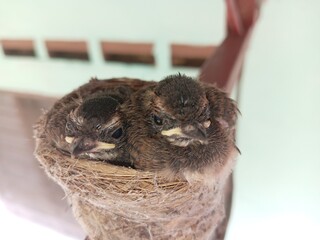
<point>180,101</point>
<point>94,103</point>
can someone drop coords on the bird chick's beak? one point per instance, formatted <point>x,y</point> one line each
<point>192,132</point>
<point>195,131</point>
<point>173,131</point>
<point>104,146</point>
<point>87,145</point>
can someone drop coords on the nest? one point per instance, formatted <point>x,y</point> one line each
<point>112,202</point>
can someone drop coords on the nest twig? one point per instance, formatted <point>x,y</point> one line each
<point>113,202</point>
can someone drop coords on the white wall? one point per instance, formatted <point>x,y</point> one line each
<point>277,177</point>
<point>159,22</point>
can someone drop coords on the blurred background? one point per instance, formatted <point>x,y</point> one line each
<point>48,48</point>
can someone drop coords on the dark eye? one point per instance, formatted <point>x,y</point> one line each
<point>70,128</point>
<point>98,127</point>
<point>157,120</point>
<point>117,133</point>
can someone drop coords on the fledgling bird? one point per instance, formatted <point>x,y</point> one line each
<point>90,122</point>
<point>95,130</point>
<point>181,126</point>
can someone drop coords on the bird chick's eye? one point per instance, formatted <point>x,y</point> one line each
<point>70,129</point>
<point>68,125</point>
<point>157,120</point>
<point>117,133</point>
<point>98,127</point>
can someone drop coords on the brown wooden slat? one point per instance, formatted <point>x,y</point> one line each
<point>67,49</point>
<point>128,52</point>
<point>183,55</point>
<point>18,47</point>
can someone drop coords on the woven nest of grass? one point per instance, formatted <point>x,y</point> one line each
<point>112,202</point>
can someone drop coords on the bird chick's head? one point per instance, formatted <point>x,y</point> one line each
<point>180,111</point>
<point>95,128</point>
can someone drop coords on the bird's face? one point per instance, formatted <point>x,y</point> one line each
<point>95,129</point>
<point>179,111</point>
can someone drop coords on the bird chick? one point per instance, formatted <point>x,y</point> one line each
<point>95,130</point>
<point>90,122</point>
<point>181,126</point>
